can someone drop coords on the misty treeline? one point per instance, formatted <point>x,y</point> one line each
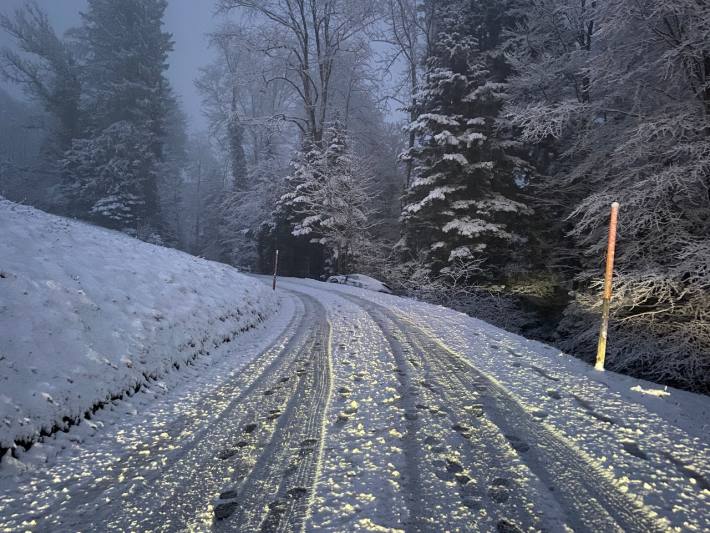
<point>523,121</point>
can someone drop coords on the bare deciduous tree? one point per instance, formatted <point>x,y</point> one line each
<point>310,35</point>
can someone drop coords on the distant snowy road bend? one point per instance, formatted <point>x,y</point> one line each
<point>358,411</point>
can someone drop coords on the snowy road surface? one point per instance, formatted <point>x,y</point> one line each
<point>356,411</point>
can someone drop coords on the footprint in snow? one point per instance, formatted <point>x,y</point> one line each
<point>277,509</point>
<point>453,466</point>
<point>517,443</point>
<point>297,492</point>
<point>632,448</point>
<point>555,395</point>
<point>309,443</point>
<point>227,454</point>
<point>469,489</point>
<point>228,495</point>
<point>462,479</point>
<point>463,430</point>
<point>498,490</point>
<point>224,510</point>
<point>590,409</point>
<point>544,373</point>
<point>688,471</point>
<point>443,475</point>
<point>507,526</point>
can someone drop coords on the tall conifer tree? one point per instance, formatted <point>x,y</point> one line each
<point>463,202</point>
<point>114,167</point>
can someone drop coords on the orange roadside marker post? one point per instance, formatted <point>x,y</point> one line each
<point>608,275</point>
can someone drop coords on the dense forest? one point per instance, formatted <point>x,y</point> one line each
<point>465,152</point>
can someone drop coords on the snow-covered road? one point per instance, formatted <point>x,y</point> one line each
<point>355,411</point>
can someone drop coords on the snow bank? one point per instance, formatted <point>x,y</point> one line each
<point>88,315</point>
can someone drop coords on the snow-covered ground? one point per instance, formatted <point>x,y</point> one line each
<point>650,443</point>
<point>340,409</point>
<point>89,315</point>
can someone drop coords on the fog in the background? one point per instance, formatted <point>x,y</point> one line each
<point>187,20</point>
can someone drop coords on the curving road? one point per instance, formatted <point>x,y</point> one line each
<point>350,416</point>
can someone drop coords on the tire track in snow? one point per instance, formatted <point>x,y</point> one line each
<point>197,472</point>
<point>588,494</point>
<point>484,483</point>
<point>419,517</point>
<point>380,431</point>
<point>258,427</point>
<point>108,489</point>
<point>277,493</point>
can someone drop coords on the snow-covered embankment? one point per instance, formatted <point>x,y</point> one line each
<point>88,315</point>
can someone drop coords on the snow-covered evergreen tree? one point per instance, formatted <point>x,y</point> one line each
<point>299,254</point>
<point>111,172</point>
<point>113,169</point>
<point>463,201</point>
<point>333,203</point>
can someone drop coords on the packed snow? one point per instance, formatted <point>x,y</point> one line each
<point>651,442</point>
<point>88,315</point>
<point>396,431</point>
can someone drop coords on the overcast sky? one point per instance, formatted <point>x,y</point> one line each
<point>187,20</point>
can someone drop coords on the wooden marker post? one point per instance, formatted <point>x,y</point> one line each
<point>606,302</point>
<point>276,269</point>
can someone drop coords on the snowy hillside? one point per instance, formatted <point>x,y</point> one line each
<point>88,315</point>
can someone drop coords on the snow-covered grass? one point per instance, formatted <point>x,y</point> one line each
<point>88,315</point>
